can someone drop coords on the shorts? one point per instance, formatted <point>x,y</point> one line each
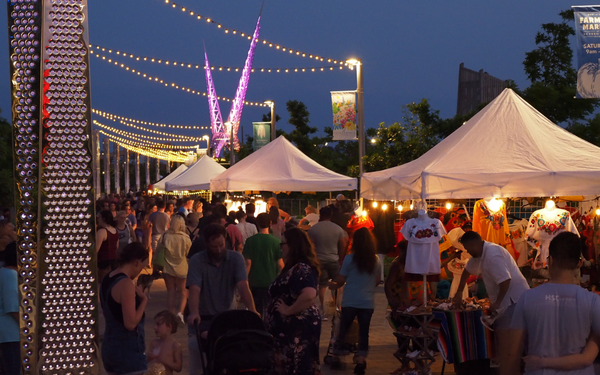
<point>504,320</point>
<point>329,270</point>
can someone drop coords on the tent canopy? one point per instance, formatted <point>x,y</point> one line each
<point>280,166</point>
<point>160,185</point>
<point>197,176</point>
<point>508,149</point>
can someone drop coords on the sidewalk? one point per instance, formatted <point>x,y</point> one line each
<point>382,341</point>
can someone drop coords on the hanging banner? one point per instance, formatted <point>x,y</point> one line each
<point>587,28</point>
<point>344,115</point>
<point>261,134</point>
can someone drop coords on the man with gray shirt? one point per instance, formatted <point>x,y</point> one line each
<point>212,279</point>
<point>555,319</point>
<point>160,223</point>
<point>330,241</point>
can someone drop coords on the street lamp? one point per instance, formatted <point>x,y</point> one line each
<point>273,122</point>
<point>360,104</point>
<point>207,139</point>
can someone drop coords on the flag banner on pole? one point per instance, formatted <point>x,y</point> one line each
<point>587,28</point>
<point>261,134</point>
<point>344,115</point>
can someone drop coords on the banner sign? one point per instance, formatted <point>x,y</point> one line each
<point>344,115</point>
<point>587,28</point>
<point>261,134</point>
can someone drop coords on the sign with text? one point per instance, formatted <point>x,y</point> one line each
<point>261,134</point>
<point>344,115</point>
<point>587,28</point>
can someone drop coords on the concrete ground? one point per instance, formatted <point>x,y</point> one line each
<point>382,342</point>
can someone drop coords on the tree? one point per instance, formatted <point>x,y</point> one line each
<point>299,118</point>
<point>549,67</point>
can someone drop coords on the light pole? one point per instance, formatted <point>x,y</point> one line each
<point>271,103</point>
<point>360,105</point>
<point>231,145</point>
<point>207,139</point>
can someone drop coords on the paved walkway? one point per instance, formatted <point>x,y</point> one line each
<point>382,341</point>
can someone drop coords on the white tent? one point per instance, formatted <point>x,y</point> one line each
<point>280,166</point>
<point>197,176</point>
<point>508,149</point>
<point>160,185</point>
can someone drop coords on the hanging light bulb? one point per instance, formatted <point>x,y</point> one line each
<point>550,204</point>
<point>384,207</point>
<point>597,211</point>
<point>374,204</point>
<point>412,206</point>
<point>400,208</point>
<point>448,205</point>
<point>494,205</point>
<point>364,214</point>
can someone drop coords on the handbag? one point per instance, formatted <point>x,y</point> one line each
<point>158,260</point>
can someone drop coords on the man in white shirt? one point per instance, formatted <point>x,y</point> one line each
<point>502,278</point>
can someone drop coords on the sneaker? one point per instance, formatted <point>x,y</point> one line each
<point>360,368</point>
<point>180,316</point>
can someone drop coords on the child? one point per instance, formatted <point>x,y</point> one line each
<point>164,351</point>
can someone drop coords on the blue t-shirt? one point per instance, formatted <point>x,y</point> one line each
<point>558,319</point>
<point>9,303</point>
<point>359,291</point>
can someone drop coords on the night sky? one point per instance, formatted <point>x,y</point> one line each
<point>410,50</point>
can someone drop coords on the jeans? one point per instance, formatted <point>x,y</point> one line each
<point>10,358</point>
<point>261,299</point>
<point>364,321</point>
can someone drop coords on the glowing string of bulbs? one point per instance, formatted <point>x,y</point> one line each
<point>145,152</point>
<point>112,117</point>
<point>182,138</point>
<point>172,85</point>
<point>260,41</point>
<point>140,141</point>
<point>147,137</point>
<point>219,68</point>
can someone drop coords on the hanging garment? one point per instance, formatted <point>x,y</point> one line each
<point>423,236</point>
<point>544,225</point>
<point>457,265</point>
<point>517,235</point>
<point>493,226</point>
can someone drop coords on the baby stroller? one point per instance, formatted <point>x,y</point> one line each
<point>350,344</point>
<point>237,343</point>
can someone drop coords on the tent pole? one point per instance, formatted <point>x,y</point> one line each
<point>423,186</point>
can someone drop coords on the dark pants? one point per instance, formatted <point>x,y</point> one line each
<point>364,321</point>
<point>261,299</point>
<point>10,358</point>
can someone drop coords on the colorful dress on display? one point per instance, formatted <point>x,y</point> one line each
<point>492,226</point>
<point>517,235</point>
<point>423,254</point>
<point>544,225</point>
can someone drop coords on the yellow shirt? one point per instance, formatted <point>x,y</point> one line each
<point>492,226</point>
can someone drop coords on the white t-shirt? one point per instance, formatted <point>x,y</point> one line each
<point>247,230</point>
<point>495,266</point>
<point>544,225</point>
<point>312,219</point>
<point>423,254</point>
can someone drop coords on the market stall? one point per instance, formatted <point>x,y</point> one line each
<point>507,150</point>
<point>197,176</point>
<point>160,186</point>
<point>280,166</point>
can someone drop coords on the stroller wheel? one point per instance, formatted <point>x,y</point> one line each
<point>327,359</point>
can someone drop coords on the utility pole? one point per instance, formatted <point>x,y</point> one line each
<point>106,166</point>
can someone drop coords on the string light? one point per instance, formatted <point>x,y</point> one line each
<point>146,137</point>
<point>187,65</point>
<point>374,204</point>
<point>182,137</point>
<point>289,51</point>
<point>144,149</point>
<point>143,142</point>
<point>149,153</point>
<point>113,117</point>
<point>172,85</point>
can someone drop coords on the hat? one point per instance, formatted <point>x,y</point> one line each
<point>340,197</point>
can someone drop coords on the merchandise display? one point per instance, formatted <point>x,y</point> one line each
<point>423,235</point>
<point>517,235</point>
<point>489,220</point>
<point>457,265</point>
<point>544,225</point>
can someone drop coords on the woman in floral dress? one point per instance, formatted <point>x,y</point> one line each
<point>292,317</point>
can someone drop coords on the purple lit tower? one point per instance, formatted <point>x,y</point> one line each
<point>221,131</point>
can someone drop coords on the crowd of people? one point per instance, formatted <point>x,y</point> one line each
<point>212,261</point>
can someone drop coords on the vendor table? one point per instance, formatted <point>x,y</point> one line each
<point>462,337</point>
<point>425,332</point>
